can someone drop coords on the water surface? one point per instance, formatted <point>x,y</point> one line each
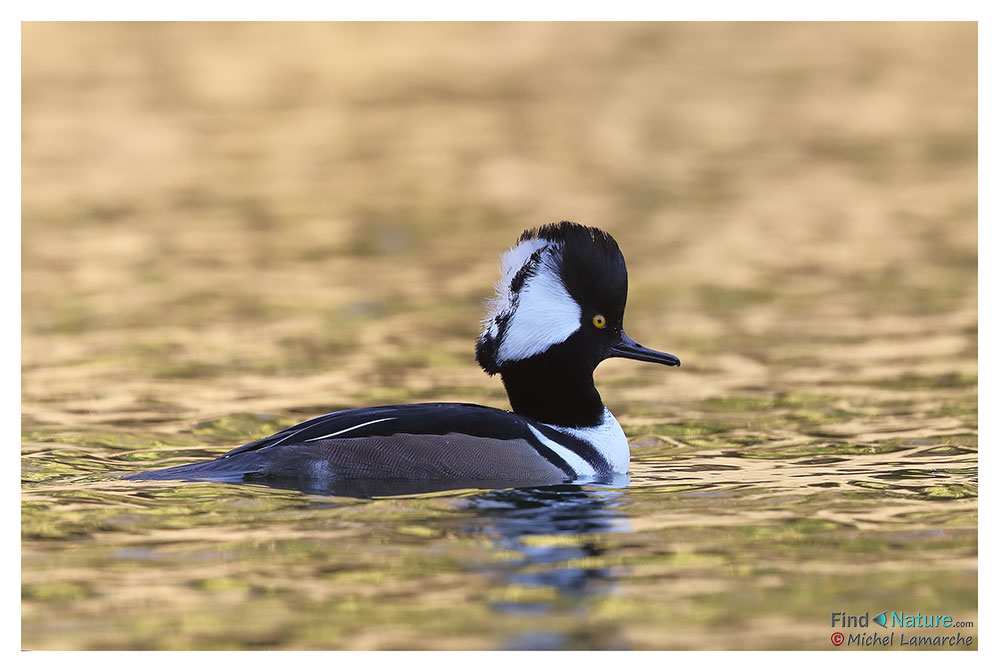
<point>231,228</point>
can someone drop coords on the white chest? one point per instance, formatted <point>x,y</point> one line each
<point>607,437</point>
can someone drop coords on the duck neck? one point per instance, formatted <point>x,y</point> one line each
<point>553,391</point>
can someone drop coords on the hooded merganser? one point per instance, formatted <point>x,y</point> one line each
<point>557,313</point>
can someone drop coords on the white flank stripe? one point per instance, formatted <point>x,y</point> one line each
<point>578,464</point>
<point>349,429</point>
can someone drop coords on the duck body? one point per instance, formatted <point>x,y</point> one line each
<point>434,442</point>
<point>557,313</point>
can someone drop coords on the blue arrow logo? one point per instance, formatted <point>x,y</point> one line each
<point>881,619</point>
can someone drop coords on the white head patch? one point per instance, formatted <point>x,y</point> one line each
<point>502,302</point>
<point>531,310</point>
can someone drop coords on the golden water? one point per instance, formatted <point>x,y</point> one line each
<point>227,228</point>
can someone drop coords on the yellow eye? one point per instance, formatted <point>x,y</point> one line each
<point>599,321</point>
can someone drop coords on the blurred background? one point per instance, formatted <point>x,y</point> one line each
<point>226,220</point>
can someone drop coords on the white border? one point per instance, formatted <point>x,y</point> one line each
<point>430,10</point>
<point>510,10</point>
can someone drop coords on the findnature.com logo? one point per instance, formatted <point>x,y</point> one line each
<point>888,620</point>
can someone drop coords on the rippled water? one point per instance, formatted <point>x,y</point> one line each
<point>738,547</point>
<point>224,234</point>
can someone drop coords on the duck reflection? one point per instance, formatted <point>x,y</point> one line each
<point>548,580</point>
<point>553,569</point>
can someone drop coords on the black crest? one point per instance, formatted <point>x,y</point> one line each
<point>591,268</point>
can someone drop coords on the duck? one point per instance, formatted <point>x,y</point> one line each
<point>557,312</point>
